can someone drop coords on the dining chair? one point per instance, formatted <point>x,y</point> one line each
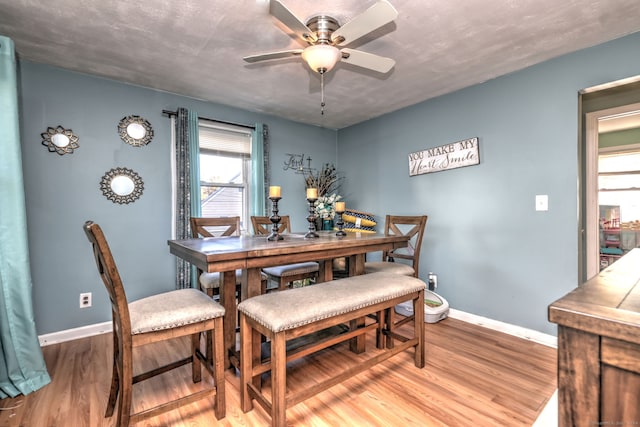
<point>165,316</point>
<point>215,227</point>
<point>284,275</point>
<point>412,226</point>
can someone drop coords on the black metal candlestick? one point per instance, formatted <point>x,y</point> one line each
<point>275,219</point>
<point>311,234</point>
<point>340,224</point>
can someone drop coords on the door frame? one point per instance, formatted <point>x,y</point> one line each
<point>591,231</point>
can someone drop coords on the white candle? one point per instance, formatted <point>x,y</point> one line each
<point>274,191</point>
<point>312,193</point>
<point>340,207</point>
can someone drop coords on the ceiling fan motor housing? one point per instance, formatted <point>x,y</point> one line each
<point>323,26</point>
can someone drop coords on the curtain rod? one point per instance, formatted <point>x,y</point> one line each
<point>174,113</point>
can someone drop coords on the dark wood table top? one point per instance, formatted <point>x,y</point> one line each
<point>606,305</point>
<point>241,252</point>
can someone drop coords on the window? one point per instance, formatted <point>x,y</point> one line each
<point>225,170</point>
<point>619,183</point>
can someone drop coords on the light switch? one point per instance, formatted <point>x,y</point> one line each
<point>542,202</point>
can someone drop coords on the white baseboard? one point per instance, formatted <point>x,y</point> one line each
<point>75,333</point>
<point>529,334</point>
<point>518,331</point>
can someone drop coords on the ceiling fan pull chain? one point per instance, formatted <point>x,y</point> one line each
<point>322,94</point>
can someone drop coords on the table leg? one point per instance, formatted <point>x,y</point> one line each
<point>325,273</point>
<point>358,265</point>
<point>251,287</point>
<point>251,283</point>
<point>356,268</point>
<point>228,300</point>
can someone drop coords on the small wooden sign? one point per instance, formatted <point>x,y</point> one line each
<point>449,156</point>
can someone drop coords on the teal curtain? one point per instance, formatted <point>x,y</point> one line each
<point>22,367</point>
<point>259,169</point>
<point>187,188</point>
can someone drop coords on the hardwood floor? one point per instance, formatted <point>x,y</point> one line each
<point>473,376</point>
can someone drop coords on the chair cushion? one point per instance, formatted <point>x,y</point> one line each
<point>280,311</point>
<point>212,280</point>
<point>388,267</point>
<point>172,309</point>
<point>292,269</point>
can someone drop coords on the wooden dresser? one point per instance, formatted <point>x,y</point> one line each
<point>599,348</point>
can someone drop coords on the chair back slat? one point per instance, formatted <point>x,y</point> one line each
<point>111,278</point>
<point>263,225</point>
<point>394,225</point>
<point>215,227</point>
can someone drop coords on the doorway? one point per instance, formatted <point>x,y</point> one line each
<point>610,192</point>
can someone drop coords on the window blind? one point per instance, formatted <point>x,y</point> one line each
<point>219,138</point>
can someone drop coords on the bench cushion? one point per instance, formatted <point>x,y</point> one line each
<point>281,311</point>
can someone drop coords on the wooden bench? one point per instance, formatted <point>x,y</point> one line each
<point>282,316</point>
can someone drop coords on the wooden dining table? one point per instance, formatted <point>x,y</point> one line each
<point>253,253</point>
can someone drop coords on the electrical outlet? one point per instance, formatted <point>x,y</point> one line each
<point>433,281</point>
<point>542,202</point>
<point>85,300</point>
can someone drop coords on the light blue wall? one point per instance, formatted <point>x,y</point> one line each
<point>63,191</point>
<point>495,256</point>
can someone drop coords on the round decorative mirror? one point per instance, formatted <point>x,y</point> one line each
<point>121,185</point>
<point>60,140</point>
<point>136,131</point>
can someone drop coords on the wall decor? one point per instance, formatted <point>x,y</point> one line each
<point>121,185</point>
<point>60,140</point>
<point>445,157</point>
<point>295,162</point>
<point>136,131</point>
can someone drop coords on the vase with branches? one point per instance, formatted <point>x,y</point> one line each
<point>326,180</point>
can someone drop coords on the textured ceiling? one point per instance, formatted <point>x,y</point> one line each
<point>195,47</point>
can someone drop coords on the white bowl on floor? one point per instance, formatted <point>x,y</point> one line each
<point>436,307</point>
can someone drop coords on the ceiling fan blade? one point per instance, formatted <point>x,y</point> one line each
<point>273,55</point>
<point>284,15</point>
<point>371,19</point>
<point>367,60</point>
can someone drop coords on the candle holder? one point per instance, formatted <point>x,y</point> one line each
<point>275,219</point>
<point>340,224</point>
<point>311,234</point>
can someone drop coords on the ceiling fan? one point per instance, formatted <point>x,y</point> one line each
<point>322,34</point>
<point>324,39</point>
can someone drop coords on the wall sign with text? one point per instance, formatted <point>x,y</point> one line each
<point>445,157</point>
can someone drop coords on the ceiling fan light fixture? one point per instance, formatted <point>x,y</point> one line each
<point>321,57</point>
